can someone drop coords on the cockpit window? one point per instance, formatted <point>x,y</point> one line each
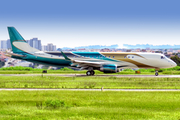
<point>162,57</point>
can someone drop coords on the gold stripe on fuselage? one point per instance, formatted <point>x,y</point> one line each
<point>123,57</point>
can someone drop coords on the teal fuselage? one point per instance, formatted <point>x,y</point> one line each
<point>45,61</point>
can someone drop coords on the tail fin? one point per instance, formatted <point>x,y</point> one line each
<point>19,45</point>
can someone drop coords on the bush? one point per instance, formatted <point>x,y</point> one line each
<point>160,70</point>
<point>146,70</point>
<point>14,72</point>
<point>128,70</point>
<point>54,104</point>
<point>66,69</point>
<point>113,77</point>
<point>26,85</point>
<point>39,105</point>
<point>89,84</point>
<point>19,68</point>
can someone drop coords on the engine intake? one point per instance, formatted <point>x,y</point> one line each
<point>109,68</point>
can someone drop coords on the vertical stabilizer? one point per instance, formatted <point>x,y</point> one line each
<point>19,45</point>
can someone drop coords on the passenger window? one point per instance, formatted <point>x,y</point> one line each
<point>113,56</point>
<point>124,56</point>
<point>109,56</point>
<point>162,57</point>
<point>132,56</point>
<point>128,56</point>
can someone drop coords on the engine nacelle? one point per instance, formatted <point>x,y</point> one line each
<point>109,68</point>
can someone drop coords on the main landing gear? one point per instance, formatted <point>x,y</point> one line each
<point>88,73</point>
<point>156,74</point>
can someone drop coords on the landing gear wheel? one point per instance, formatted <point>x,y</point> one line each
<point>92,72</point>
<point>156,74</point>
<point>88,73</point>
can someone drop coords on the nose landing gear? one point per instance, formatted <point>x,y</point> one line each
<point>156,74</point>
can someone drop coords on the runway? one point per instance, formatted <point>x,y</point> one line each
<point>127,90</point>
<point>83,75</point>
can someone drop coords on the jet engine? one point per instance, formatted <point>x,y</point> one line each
<point>109,68</point>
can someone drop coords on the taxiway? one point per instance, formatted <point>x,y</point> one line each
<point>82,75</point>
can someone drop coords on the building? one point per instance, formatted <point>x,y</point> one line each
<point>35,43</point>
<point>143,50</point>
<point>9,44</point>
<point>6,44</point>
<point>44,48</point>
<point>105,50</point>
<point>128,50</point>
<point>49,47</point>
<point>3,44</point>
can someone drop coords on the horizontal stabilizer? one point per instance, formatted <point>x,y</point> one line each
<point>13,54</point>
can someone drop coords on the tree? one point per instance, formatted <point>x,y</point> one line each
<point>176,59</point>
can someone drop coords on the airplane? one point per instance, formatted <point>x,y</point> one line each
<point>107,62</point>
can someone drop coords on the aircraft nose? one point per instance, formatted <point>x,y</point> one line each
<point>173,64</point>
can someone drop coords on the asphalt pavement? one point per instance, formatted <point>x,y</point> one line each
<point>83,75</point>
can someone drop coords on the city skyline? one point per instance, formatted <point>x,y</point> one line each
<point>82,23</point>
<point>36,43</point>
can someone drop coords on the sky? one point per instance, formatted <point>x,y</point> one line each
<point>73,23</point>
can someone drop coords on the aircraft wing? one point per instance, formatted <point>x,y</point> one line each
<point>84,63</point>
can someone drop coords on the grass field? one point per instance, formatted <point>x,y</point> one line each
<point>88,82</point>
<point>89,105</point>
<point>29,70</point>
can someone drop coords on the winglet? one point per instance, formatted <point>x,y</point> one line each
<point>66,58</point>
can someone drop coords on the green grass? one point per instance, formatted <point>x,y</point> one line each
<point>88,82</point>
<point>89,105</point>
<point>29,70</point>
<point>20,68</point>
